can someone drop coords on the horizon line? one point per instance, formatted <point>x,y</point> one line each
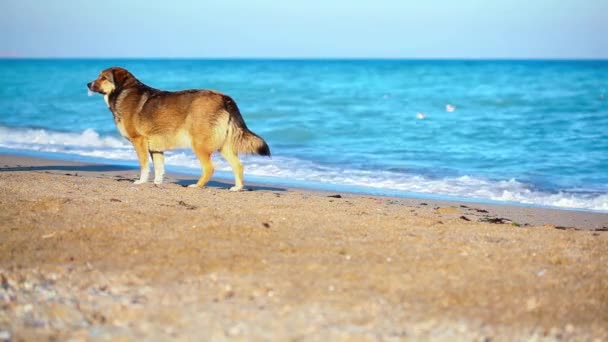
<point>313,58</point>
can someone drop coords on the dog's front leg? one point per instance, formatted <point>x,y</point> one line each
<point>141,148</point>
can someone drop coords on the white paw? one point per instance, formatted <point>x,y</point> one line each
<point>158,181</point>
<point>140,181</point>
<point>236,188</point>
<point>193,185</point>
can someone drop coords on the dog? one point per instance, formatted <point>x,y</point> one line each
<point>155,121</point>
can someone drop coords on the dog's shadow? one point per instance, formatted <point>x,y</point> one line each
<point>228,185</point>
<point>72,170</point>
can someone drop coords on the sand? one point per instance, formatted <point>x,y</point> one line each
<point>86,255</point>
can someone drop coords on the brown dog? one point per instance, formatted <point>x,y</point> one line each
<point>156,121</point>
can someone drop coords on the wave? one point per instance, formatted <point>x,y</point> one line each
<point>91,144</point>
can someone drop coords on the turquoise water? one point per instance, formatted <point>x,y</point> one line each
<point>523,131</point>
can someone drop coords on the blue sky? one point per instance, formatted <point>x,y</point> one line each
<point>305,29</point>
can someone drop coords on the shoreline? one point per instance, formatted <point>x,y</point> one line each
<point>546,199</point>
<point>516,213</point>
<point>87,255</point>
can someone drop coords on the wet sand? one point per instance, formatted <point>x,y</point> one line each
<point>86,255</point>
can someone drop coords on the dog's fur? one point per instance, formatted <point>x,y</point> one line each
<point>156,121</point>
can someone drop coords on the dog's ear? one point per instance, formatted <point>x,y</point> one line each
<point>120,76</point>
<point>110,76</point>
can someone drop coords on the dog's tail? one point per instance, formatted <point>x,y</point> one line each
<point>240,138</point>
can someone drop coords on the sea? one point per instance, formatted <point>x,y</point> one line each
<point>527,132</point>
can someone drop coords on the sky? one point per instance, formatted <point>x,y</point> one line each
<point>474,29</point>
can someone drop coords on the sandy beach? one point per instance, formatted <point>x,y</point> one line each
<point>87,255</point>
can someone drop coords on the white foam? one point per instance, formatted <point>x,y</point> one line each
<point>90,143</point>
<point>90,93</point>
<point>42,137</point>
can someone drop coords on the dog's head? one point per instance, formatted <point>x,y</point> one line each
<point>112,79</point>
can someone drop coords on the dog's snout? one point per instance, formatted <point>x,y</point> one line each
<point>89,85</point>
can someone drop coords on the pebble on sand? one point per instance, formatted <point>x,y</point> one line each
<point>5,335</point>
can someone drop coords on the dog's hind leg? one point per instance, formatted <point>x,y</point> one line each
<point>158,159</point>
<point>141,148</point>
<point>237,168</point>
<point>206,165</point>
